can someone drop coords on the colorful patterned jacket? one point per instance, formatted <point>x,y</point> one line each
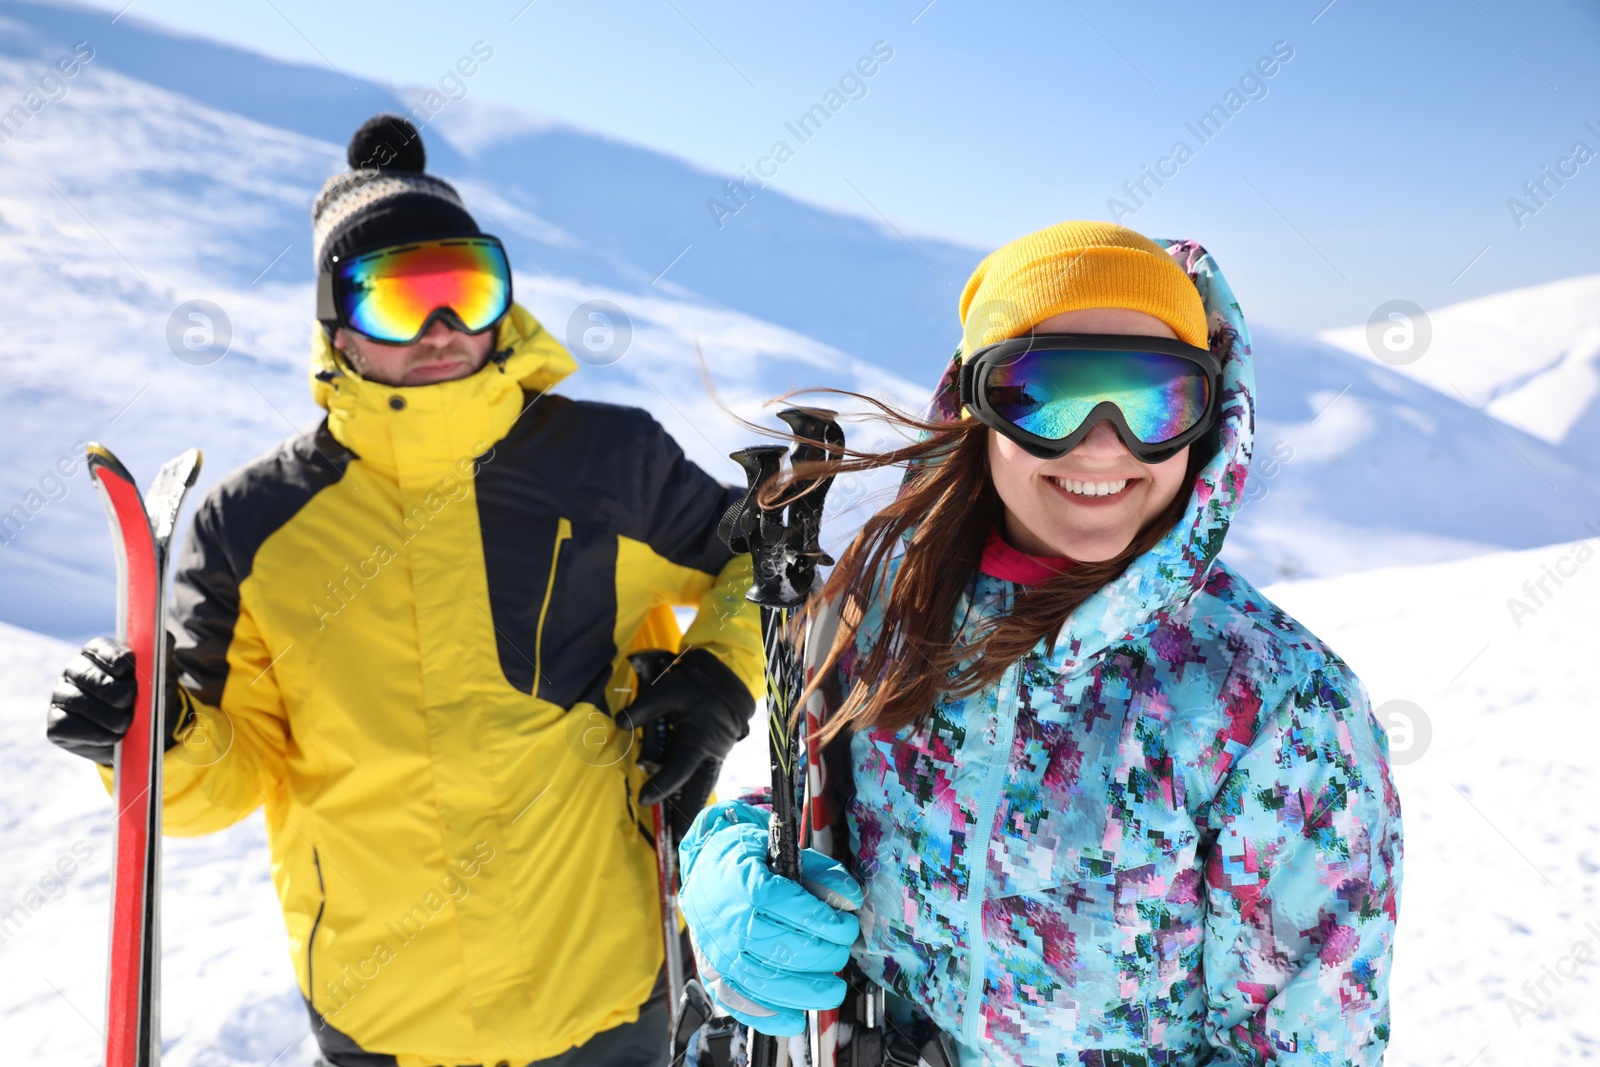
<point>1175,841</point>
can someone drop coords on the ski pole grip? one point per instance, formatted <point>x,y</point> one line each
<point>810,425</point>
<point>742,521</point>
<point>650,665</point>
<point>759,530</point>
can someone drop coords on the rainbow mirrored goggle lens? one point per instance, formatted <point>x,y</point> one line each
<point>1047,392</point>
<point>393,294</point>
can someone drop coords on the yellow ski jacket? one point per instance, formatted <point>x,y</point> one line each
<point>402,634</point>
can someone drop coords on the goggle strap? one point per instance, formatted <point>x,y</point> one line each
<point>966,389</point>
<point>327,311</point>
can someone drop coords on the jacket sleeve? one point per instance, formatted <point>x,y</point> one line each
<point>683,506</point>
<point>1303,883</point>
<point>229,759</point>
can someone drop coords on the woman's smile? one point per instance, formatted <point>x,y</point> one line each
<point>1095,492</point>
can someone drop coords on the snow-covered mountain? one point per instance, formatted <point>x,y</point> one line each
<point>170,169</point>
<point>1501,811</point>
<point>1357,466</point>
<point>1530,356</point>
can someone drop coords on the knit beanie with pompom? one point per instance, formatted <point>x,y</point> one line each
<point>384,199</point>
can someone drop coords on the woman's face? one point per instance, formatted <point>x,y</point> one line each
<point>1046,511</point>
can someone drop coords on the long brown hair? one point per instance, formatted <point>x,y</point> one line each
<point>950,502</point>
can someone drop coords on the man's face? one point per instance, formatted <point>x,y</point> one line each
<point>441,355</point>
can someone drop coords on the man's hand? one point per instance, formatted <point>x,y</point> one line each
<point>92,705</point>
<point>709,709</point>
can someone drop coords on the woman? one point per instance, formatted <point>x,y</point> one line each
<point>1104,802</point>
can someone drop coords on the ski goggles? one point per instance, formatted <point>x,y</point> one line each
<point>393,295</point>
<point>1047,391</point>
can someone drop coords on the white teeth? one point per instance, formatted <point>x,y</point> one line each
<point>1091,488</point>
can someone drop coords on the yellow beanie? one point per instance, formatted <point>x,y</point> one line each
<point>1075,265</point>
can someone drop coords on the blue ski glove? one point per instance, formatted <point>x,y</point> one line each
<point>767,948</point>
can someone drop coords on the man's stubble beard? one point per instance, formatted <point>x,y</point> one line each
<point>460,349</point>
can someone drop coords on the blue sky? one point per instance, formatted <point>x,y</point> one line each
<point>1375,163</point>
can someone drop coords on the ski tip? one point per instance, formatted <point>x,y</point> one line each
<point>172,483</point>
<point>99,457</point>
<point>188,466</point>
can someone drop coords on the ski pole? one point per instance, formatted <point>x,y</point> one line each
<point>784,559</point>
<point>650,665</point>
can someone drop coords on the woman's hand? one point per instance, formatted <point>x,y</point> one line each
<point>767,948</point>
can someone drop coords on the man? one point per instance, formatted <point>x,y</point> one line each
<point>403,634</point>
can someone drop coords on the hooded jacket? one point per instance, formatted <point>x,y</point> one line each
<point>1176,840</point>
<point>402,634</point>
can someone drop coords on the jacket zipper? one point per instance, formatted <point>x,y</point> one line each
<point>978,882</point>
<point>563,535</point>
<point>322,904</point>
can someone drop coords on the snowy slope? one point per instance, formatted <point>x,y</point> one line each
<point>1531,356</point>
<point>228,985</point>
<point>181,201</point>
<point>1501,806</point>
<point>1501,810</point>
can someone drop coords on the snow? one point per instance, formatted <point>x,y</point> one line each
<point>229,996</point>
<point>1501,810</point>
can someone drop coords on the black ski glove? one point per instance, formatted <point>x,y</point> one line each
<point>92,706</point>
<point>709,708</point>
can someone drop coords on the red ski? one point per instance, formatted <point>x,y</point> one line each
<point>141,531</point>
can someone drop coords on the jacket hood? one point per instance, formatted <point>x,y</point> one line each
<point>422,427</point>
<point>1168,575</point>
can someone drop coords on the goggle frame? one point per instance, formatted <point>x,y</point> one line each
<point>330,308</point>
<point>974,369</point>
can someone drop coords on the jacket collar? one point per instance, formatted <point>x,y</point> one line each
<point>419,434</point>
